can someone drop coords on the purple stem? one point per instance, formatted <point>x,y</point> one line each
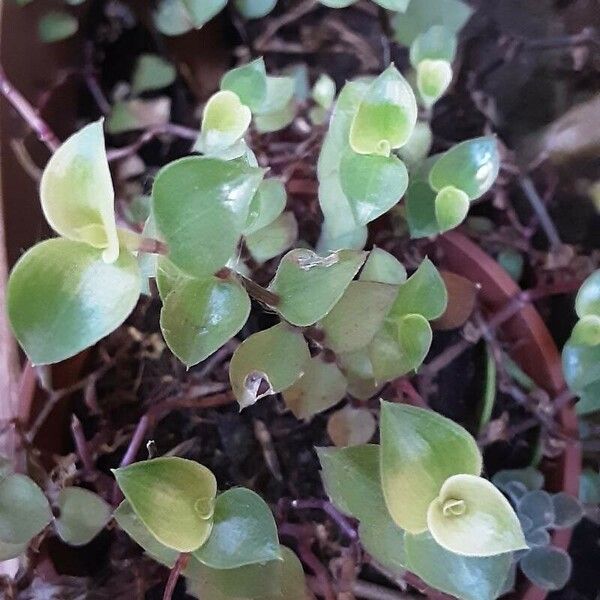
<point>326,506</point>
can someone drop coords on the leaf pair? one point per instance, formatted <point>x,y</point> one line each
<point>174,17</point>
<point>439,197</point>
<point>65,294</point>
<point>172,506</point>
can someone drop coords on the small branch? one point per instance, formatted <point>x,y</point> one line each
<point>404,386</point>
<point>29,114</point>
<point>152,246</point>
<point>81,445</point>
<point>275,24</point>
<point>327,507</point>
<point>176,571</point>
<point>258,292</point>
<point>537,204</point>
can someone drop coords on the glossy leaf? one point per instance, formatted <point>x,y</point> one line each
<point>472,517</point>
<point>470,166</point>
<point>384,541</point>
<point>581,366</point>
<point>383,267</point>
<point>548,568</point>
<point>152,72</point>
<point>351,426</point>
<point>348,326</point>
<point>244,532</point>
<point>273,239</point>
<point>415,442</point>
<point>254,9</point>
<point>351,479</point>
<point>266,205</point>
<point>201,206</point>
<point>321,386</point>
<point>277,120</point>
<point>224,121</point>
<point>433,79</point>
<point>279,95</point>
<point>309,285</point>
<point>249,82</point>
<point>567,510</point>
<point>420,210</point>
<point>24,510</point>
<point>400,346</point>
<point>57,25</point>
<point>136,114</point>
<point>372,184</point>
<point>77,194</point>
<point>464,577</point>
<point>451,208</point>
<point>82,515</point>
<point>62,297</point>
<point>418,145</point>
<point>200,315</point>
<point>173,497</point>
<point>424,293</point>
<point>386,115</point>
<point>273,359</point>
<point>437,43</point>
<point>587,301</point>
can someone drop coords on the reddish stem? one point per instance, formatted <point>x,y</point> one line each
<point>180,565</point>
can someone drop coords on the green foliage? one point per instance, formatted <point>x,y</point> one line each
<point>267,204</point>
<point>174,17</point>
<point>136,114</point>
<point>151,72</point>
<point>82,515</point>
<point>383,267</point>
<point>581,353</point>
<point>57,25</point>
<point>173,497</point>
<point>273,239</point>
<point>254,9</point>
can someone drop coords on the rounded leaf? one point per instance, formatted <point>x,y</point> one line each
<point>420,210</point>
<point>465,577</point>
<point>531,478</point>
<point>537,506</point>
<point>321,386</point>
<point>373,184</point>
<point>24,510</point>
<point>451,207</point>
<point>77,194</point>
<point>414,442</point>
<point>470,166</point>
<point>351,426</point>
<point>418,145</point>
<point>323,92</point>
<point>8,551</point>
<point>273,359</point>
<point>266,205</point>
<point>437,43</point>
<point>254,9</point>
<point>243,533</point>
<point>199,315</point>
<point>172,18</point>
<point>273,239</point>
<point>472,517</point>
<point>201,207</point>
<point>63,297</point>
<point>152,72</point>
<point>386,115</point>
<point>586,331</point>
<point>173,497</point>
<point>309,285</point>
<point>82,515</point>
<point>57,25</point>
<point>587,301</point>
<point>249,82</point>
<point>224,121</point>
<point>547,567</point>
<point>202,11</point>
<point>383,267</point>
<point>384,541</point>
<point>433,79</point>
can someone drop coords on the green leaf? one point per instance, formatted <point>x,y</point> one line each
<point>512,262</point>
<point>323,92</point>
<point>384,541</point>
<point>351,426</point>
<point>351,479</point>
<point>152,72</point>
<point>244,532</point>
<point>549,568</point>
<point>397,5</point>
<point>321,386</point>
<point>437,43</point>
<point>400,346</point>
<point>567,510</point>
<point>199,315</point>
<point>266,205</point>
<point>424,293</point>
<point>581,365</point>
<point>420,16</point>
<point>279,96</point>
<point>309,285</point>
<point>386,115</point>
<point>586,331</point>
<point>24,510</point>
<point>277,120</point>
<point>470,166</point>
<point>133,526</point>
<point>62,297</point>
<point>202,11</point>
<point>275,357</point>
<point>472,517</point>
<point>451,207</point>
<point>173,497</point>
<point>273,239</point>
<point>57,25</point>
<point>420,449</point>
<point>420,210</point>
<point>254,9</point>
<point>249,82</point>
<point>418,145</point>
<point>169,277</point>
<point>77,194</point>
<point>337,3</point>
<point>372,184</point>
<point>136,114</point>
<point>82,516</point>
<point>201,207</point>
<point>537,506</point>
<point>465,577</point>
<point>589,487</point>
<point>587,301</point>
<point>530,477</point>
<point>172,18</point>
<point>348,326</point>
<point>8,551</point>
<point>224,121</point>
<point>383,267</point>
<point>433,79</point>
